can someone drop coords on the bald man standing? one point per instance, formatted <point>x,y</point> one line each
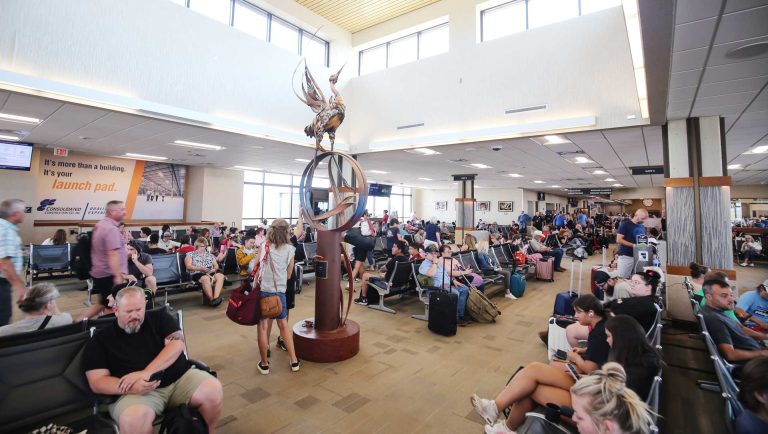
<point>626,238</point>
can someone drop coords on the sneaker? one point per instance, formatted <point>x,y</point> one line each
<point>498,428</point>
<point>752,264</point>
<point>361,301</point>
<point>295,366</point>
<point>486,408</point>
<point>743,264</point>
<point>510,296</point>
<point>281,344</point>
<point>357,280</point>
<point>264,370</point>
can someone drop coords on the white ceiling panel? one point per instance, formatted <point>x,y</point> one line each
<point>735,71</point>
<point>738,5</point>
<point>718,55</point>
<point>717,110</point>
<point>70,118</point>
<point>760,104</point>
<point>689,59</point>
<point>742,25</point>
<point>680,106</point>
<point>682,94</point>
<point>732,86</point>
<point>693,35</point>
<point>684,79</point>
<point>741,98</point>
<point>110,124</point>
<point>695,10</point>
<point>23,105</point>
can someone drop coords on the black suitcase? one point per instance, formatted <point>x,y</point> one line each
<point>442,312</point>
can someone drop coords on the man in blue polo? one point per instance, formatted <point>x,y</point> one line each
<point>626,238</point>
<point>524,220</point>
<point>559,220</point>
<point>582,219</point>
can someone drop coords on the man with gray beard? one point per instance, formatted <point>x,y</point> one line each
<point>121,360</point>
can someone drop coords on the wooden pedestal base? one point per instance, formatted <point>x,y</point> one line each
<point>329,346</point>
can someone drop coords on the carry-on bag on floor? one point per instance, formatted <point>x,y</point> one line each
<point>517,284</point>
<point>480,308</point>
<point>545,269</point>
<point>443,306</point>
<point>564,300</point>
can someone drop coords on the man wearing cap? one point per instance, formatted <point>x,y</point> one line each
<point>610,287</point>
<point>538,246</point>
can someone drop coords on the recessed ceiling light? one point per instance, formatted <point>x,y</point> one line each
<point>515,175</point>
<point>582,160</point>
<point>148,157</point>
<point>422,151</point>
<point>555,186</point>
<point>480,166</point>
<point>378,171</point>
<point>748,50</point>
<point>247,168</point>
<point>599,172</point>
<point>425,179</point>
<point>538,182</point>
<point>197,145</point>
<point>759,150</point>
<point>609,180</point>
<point>17,118</point>
<point>630,117</point>
<point>735,166</point>
<point>12,138</point>
<point>302,160</point>
<point>555,140</point>
<point>617,185</point>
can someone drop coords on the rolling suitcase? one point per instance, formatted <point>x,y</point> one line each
<point>517,284</point>
<point>443,306</point>
<point>545,269</point>
<point>564,300</point>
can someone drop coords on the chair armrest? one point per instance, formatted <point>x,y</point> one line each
<point>202,366</point>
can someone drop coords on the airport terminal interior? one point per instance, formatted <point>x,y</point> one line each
<point>477,202</point>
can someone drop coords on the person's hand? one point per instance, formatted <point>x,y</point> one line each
<point>128,380</point>
<point>130,277</point>
<point>573,356</point>
<point>142,387</point>
<point>135,257</point>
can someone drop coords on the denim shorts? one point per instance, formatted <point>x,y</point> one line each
<point>284,313</point>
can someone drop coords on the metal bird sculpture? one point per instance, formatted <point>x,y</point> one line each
<point>330,114</point>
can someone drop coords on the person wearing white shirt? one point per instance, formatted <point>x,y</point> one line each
<point>166,243</point>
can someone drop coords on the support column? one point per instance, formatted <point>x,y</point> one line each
<point>698,194</point>
<point>465,206</point>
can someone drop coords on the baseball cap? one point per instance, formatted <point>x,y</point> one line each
<point>601,277</point>
<point>538,233</point>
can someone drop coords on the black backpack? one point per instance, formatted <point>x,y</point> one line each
<point>81,260</point>
<point>183,420</point>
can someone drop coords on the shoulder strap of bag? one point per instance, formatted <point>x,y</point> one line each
<point>45,322</point>
<point>271,266</point>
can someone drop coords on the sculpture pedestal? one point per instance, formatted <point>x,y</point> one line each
<point>326,346</point>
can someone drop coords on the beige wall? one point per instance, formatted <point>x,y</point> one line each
<point>214,195</point>
<point>749,192</point>
<point>638,193</point>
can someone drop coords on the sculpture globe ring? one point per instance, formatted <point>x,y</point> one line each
<point>348,193</point>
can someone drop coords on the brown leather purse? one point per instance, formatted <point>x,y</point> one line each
<point>271,306</point>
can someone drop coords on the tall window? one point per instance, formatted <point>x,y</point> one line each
<point>398,203</point>
<point>520,15</point>
<point>422,44</point>
<point>257,22</point>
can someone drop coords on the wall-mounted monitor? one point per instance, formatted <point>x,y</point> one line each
<point>15,155</point>
<point>379,190</point>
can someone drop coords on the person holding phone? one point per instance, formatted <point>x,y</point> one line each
<point>140,268</point>
<point>205,270</point>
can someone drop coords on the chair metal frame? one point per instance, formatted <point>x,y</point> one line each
<point>392,284</point>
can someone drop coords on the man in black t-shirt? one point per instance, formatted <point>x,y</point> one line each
<point>393,234</point>
<point>398,255</point>
<point>140,267</point>
<point>643,309</point>
<point>121,360</point>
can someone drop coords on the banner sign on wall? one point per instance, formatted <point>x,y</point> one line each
<point>77,187</point>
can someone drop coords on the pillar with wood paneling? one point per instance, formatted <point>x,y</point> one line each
<point>698,195</point>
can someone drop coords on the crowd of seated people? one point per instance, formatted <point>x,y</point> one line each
<point>538,246</point>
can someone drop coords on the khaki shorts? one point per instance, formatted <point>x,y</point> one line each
<point>159,399</point>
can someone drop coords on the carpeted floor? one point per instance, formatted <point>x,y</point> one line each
<point>405,378</point>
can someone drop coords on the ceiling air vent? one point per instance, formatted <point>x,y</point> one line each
<point>532,108</point>
<point>459,160</point>
<point>405,127</point>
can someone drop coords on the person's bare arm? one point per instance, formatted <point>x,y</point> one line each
<point>8,270</point>
<point>145,269</point>
<point>290,267</point>
<point>113,259</point>
<point>732,354</point>
<point>174,346</point>
<point>102,382</point>
<point>753,333</point>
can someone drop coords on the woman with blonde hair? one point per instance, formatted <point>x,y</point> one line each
<point>40,311</point>
<point>749,250</point>
<point>602,403</point>
<point>276,267</point>
<point>470,242</point>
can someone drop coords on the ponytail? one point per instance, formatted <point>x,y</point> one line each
<point>609,398</point>
<point>697,270</point>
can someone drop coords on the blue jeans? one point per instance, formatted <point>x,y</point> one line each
<point>463,293</point>
<point>557,254</point>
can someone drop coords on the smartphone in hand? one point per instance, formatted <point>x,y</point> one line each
<point>157,376</point>
<point>561,355</point>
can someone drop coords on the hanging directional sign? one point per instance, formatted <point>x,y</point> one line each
<point>588,191</point>
<point>647,170</point>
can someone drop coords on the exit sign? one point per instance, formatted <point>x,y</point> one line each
<point>60,152</point>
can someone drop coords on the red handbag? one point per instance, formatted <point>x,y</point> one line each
<point>244,303</point>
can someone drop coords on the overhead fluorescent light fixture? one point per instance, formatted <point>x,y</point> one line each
<point>599,172</point>
<point>759,150</point>
<point>302,160</point>
<point>610,180</point>
<point>11,138</point>
<point>582,160</point>
<point>480,166</point>
<point>378,171</point>
<point>422,151</point>
<point>617,185</point>
<point>515,175</point>
<point>730,166</point>
<point>247,168</point>
<point>197,145</point>
<point>538,182</point>
<point>555,186</point>
<point>425,179</point>
<point>555,140</point>
<point>634,34</point>
<point>143,156</point>
<point>17,118</point>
